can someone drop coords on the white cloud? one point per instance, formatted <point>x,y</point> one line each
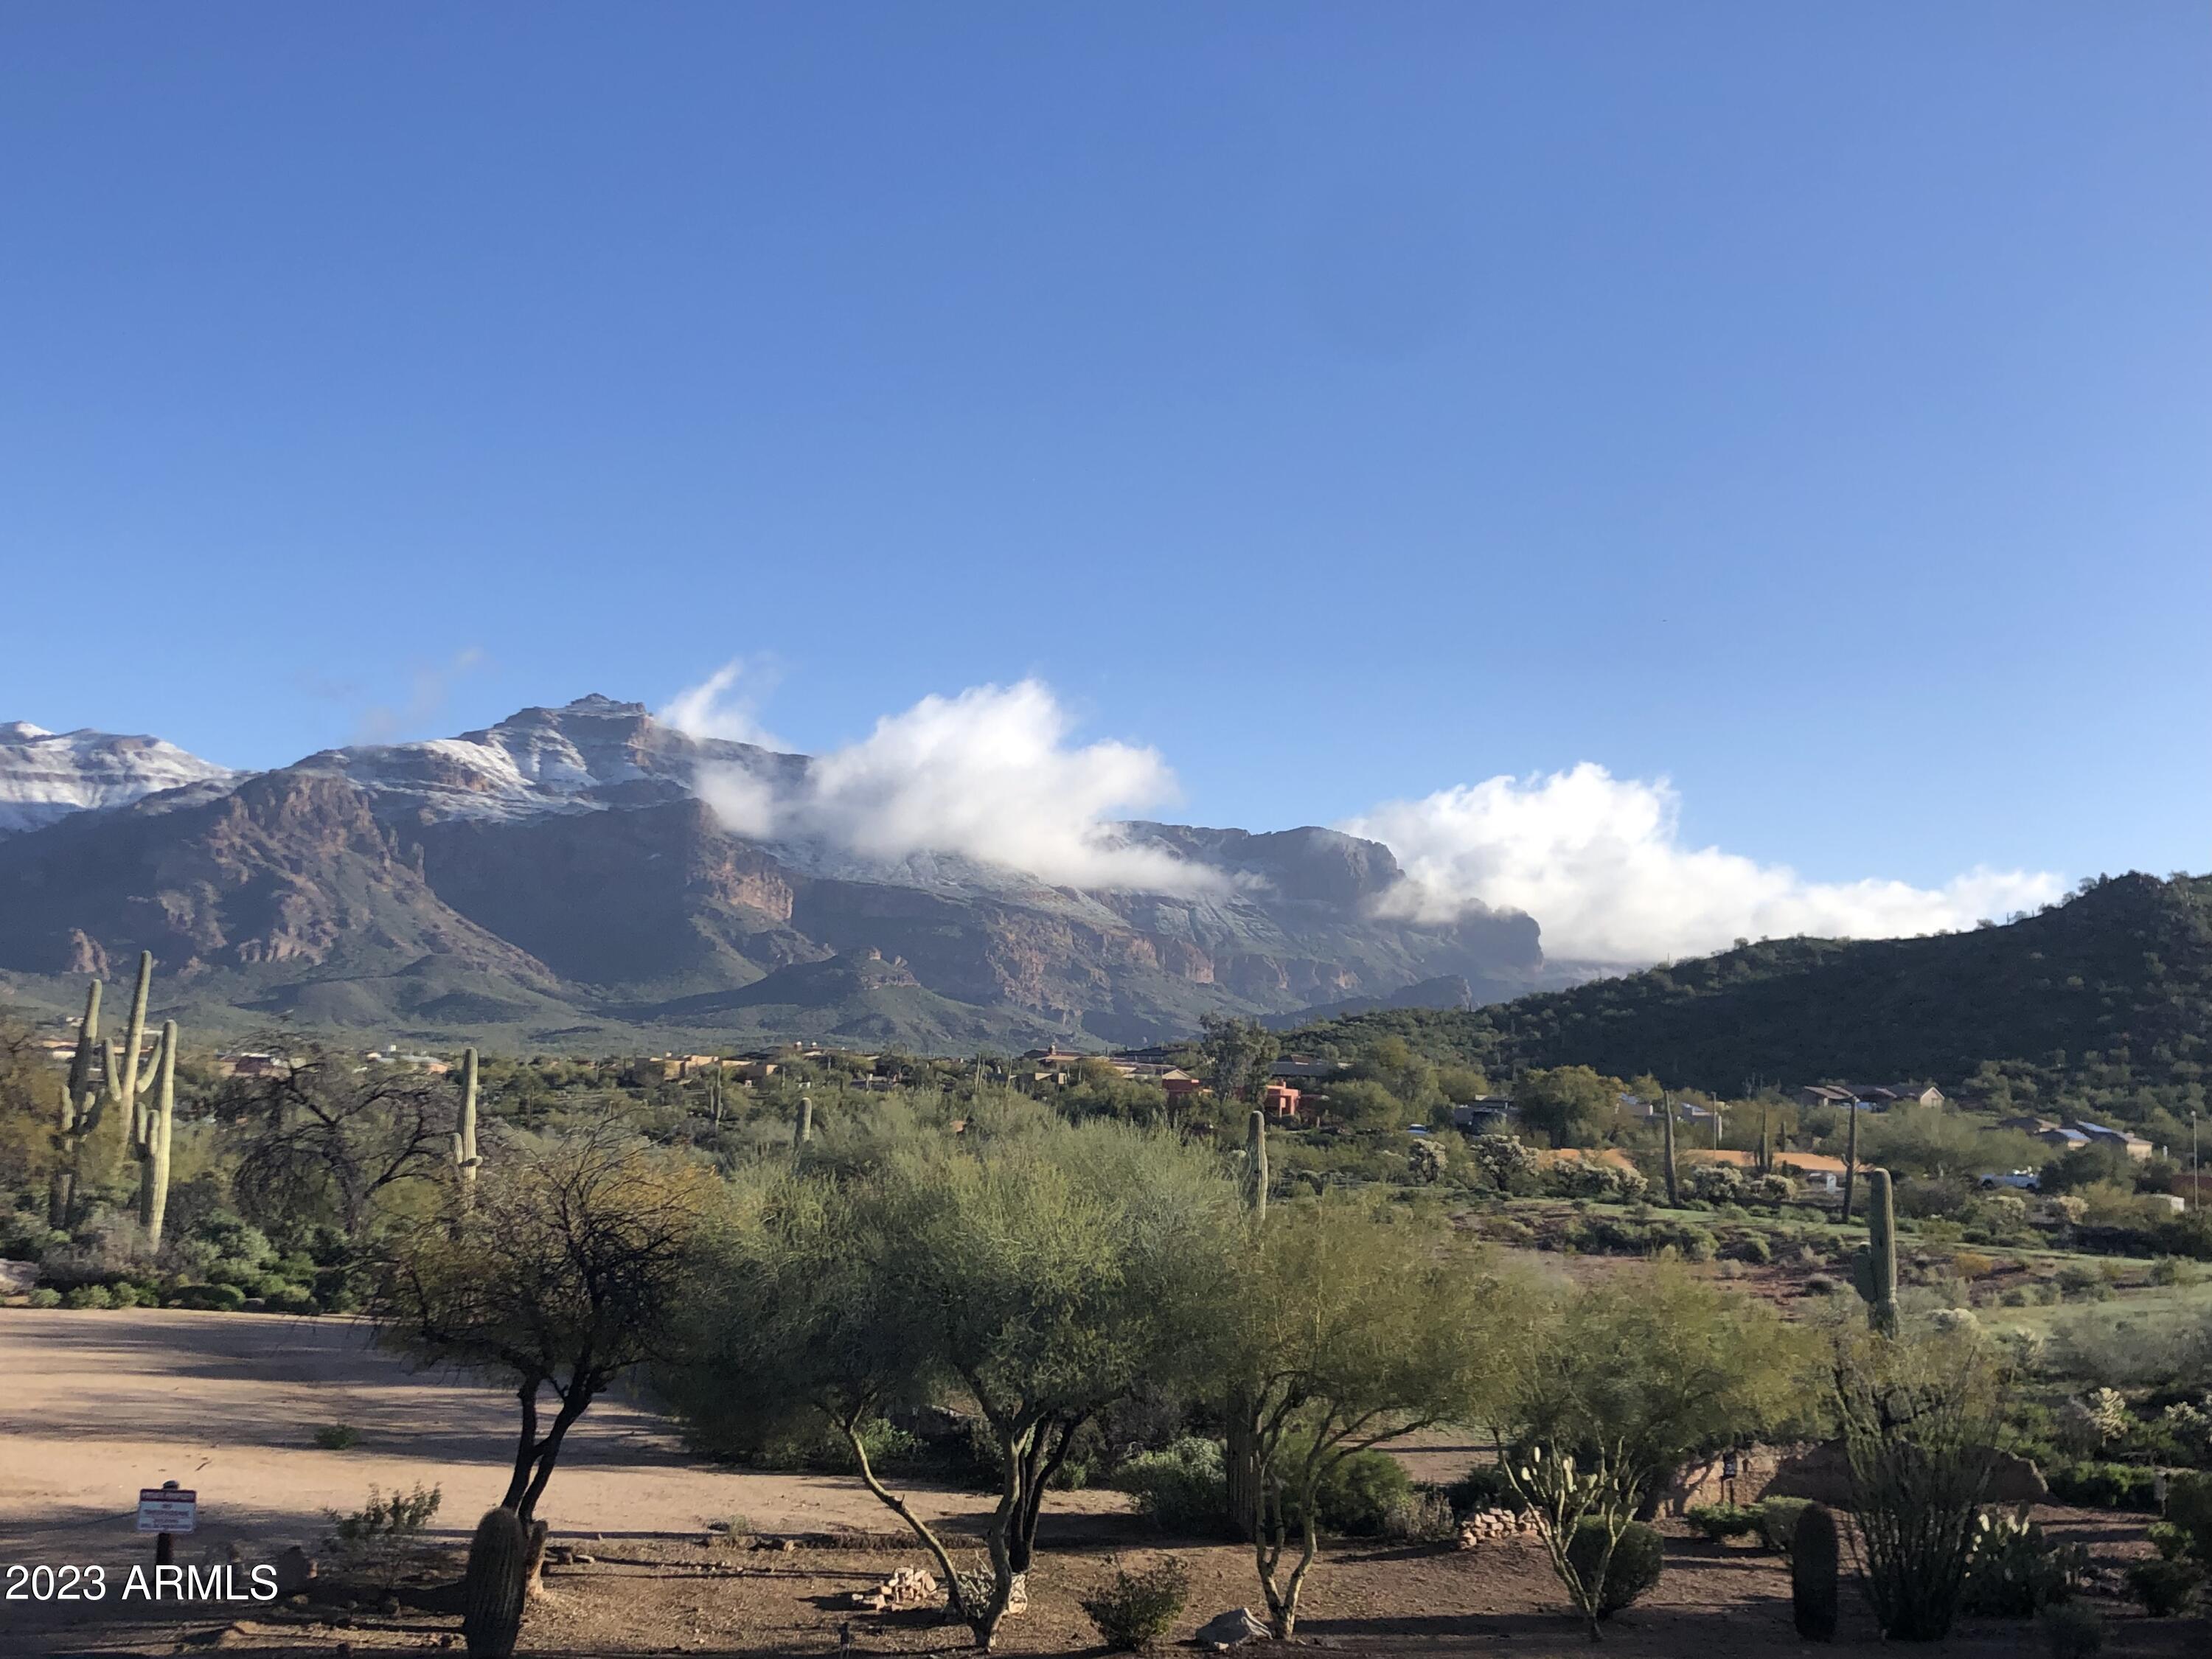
<point>1599,862</point>
<point>709,709</point>
<point>989,773</point>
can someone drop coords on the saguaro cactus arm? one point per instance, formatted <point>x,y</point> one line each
<point>160,1119</point>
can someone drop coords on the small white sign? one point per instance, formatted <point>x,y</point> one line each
<point>166,1508</point>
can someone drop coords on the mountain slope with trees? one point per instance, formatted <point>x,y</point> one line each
<point>2104,1001</point>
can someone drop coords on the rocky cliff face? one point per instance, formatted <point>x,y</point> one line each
<point>557,879</point>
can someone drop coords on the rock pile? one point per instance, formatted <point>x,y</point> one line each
<point>910,1587</point>
<point>1489,1526</point>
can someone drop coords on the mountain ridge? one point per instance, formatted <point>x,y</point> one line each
<point>559,873</point>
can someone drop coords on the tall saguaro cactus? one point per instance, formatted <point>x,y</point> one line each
<point>123,1083</point>
<point>158,1120</point>
<point>1851,1160</point>
<point>79,1116</point>
<point>466,1159</point>
<point>1255,1164</point>
<point>803,1129</point>
<point>1873,1268</point>
<point>1666,1119</point>
<point>1240,1414</point>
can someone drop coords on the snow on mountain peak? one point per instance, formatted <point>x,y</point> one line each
<point>46,776</point>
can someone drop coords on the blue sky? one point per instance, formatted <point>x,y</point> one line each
<point>1807,405</point>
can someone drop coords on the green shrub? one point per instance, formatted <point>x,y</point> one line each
<point>45,1296</point>
<point>338,1436</point>
<point>1133,1610</point>
<point>2164,1588</point>
<point>2103,1485</point>
<point>1359,1495</point>
<point>1482,1487</point>
<point>213,1299</point>
<point>2072,1630</point>
<point>379,1541</point>
<point>1720,1522</point>
<point>1778,1523</point>
<point>89,1296</point>
<point>283,1297</point>
<point>1183,1491</point>
<point>1423,1516</point>
<point>1637,1561</point>
<point>2188,1514</point>
<point>1747,1247</point>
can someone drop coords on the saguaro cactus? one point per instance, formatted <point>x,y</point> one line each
<point>803,1130</point>
<point>123,1084</point>
<point>157,1121</point>
<point>1873,1268</point>
<point>1666,1119</point>
<point>1255,1164</point>
<point>1765,1143</point>
<point>1850,1161</point>
<point>492,1591</point>
<point>466,1159</point>
<point>1813,1574</point>
<point>79,1115</point>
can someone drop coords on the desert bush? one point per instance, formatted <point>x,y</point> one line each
<point>338,1436</point>
<point>1721,1521</point>
<point>379,1541</point>
<point>1637,1558</point>
<point>2073,1631</point>
<point>2103,1485</point>
<point>89,1296</point>
<point>1919,1417</point>
<point>1183,1491</point>
<point>212,1298</point>
<point>1747,1247</point>
<point>45,1296</point>
<point>1777,1522</point>
<point>1582,1515</point>
<point>1822,1285</point>
<point>2015,1572</point>
<point>1132,1610</point>
<point>1355,1498</point>
<point>1423,1516</point>
<point>1482,1487</point>
<point>2164,1586</point>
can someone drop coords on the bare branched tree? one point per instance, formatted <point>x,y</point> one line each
<point>562,1274</point>
<point>326,1134</point>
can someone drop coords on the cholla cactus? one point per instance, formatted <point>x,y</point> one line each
<point>1502,1159</point>
<point>1565,1495</point>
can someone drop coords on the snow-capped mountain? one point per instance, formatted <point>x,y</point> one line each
<point>592,753</point>
<point>576,874</point>
<point>46,776</point>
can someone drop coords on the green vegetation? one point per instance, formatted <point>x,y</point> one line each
<point>2100,1007</point>
<point>1134,1609</point>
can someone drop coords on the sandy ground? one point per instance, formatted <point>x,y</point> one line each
<point>94,1404</point>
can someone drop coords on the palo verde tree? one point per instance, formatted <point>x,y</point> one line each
<point>1345,1327</point>
<point>1029,1271</point>
<point>561,1272</point>
<point>1645,1372</point>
